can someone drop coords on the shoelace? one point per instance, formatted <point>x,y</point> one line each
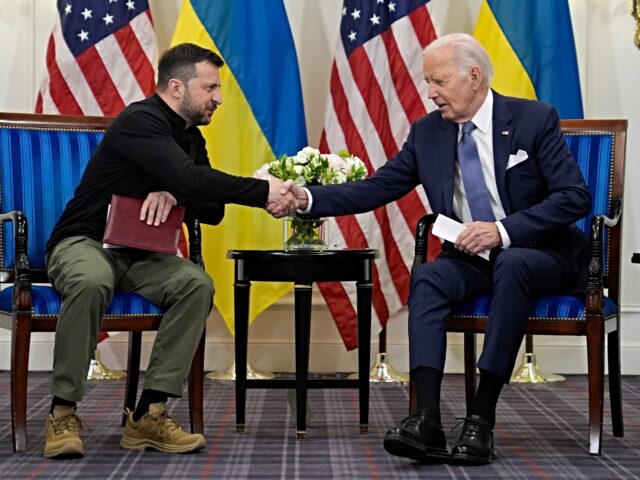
<point>71,423</point>
<point>165,424</point>
<point>470,426</point>
<point>417,418</point>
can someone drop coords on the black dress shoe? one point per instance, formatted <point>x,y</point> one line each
<point>475,445</point>
<point>418,437</point>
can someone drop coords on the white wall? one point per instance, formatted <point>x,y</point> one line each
<point>609,69</point>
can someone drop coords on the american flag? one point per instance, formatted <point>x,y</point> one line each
<point>377,90</point>
<point>100,57</point>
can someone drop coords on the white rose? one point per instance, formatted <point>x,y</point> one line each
<point>263,172</point>
<point>300,159</point>
<point>336,162</point>
<point>300,181</point>
<point>350,162</point>
<point>340,177</point>
<point>332,178</point>
<point>309,152</point>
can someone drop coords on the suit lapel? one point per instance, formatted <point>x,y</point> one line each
<point>446,160</point>
<point>502,137</point>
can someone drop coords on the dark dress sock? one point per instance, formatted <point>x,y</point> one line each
<point>486,400</point>
<point>428,381</point>
<point>148,397</point>
<point>61,401</point>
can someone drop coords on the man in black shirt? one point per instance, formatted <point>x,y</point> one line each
<point>153,151</point>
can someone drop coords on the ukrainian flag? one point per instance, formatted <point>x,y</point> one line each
<point>261,117</point>
<point>531,45</point>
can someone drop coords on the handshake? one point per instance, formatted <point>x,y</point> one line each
<point>285,198</point>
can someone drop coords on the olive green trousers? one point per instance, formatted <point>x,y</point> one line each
<point>86,276</point>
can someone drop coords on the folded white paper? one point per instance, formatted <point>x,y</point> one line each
<point>448,229</point>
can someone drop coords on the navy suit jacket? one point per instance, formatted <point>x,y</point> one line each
<point>542,196</point>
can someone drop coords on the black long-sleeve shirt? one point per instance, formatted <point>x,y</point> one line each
<point>148,149</point>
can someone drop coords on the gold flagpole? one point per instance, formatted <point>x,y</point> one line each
<point>635,13</point>
<point>230,374</point>
<point>98,370</point>
<point>382,371</point>
<point>529,371</point>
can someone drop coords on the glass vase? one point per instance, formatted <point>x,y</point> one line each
<point>305,233</point>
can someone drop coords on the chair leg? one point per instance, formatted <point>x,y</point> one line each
<point>133,372</point>
<point>196,378</point>
<point>20,341</point>
<point>595,360</point>
<point>469,369</point>
<point>615,387</point>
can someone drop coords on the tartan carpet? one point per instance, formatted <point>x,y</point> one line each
<point>541,433</point>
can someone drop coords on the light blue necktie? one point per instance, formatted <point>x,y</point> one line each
<point>472,178</point>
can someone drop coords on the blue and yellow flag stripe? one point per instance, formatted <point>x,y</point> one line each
<point>531,45</point>
<point>261,117</point>
<point>264,64</point>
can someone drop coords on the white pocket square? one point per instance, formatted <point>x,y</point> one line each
<point>519,157</point>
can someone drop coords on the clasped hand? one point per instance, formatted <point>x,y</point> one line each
<point>478,237</point>
<point>285,198</point>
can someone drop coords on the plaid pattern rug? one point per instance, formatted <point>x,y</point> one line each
<point>541,433</point>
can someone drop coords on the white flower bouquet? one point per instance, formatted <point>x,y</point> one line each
<point>310,167</point>
<point>307,168</point>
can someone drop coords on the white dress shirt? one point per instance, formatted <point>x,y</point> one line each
<point>483,136</point>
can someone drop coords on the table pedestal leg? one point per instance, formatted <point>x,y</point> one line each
<point>364,290</point>
<point>303,334</point>
<point>241,310</point>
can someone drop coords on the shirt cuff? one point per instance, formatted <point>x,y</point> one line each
<point>309,202</point>
<point>506,241</point>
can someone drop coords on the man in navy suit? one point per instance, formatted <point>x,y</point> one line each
<point>501,166</point>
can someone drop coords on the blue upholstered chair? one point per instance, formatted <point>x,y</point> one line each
<point>42,158</point>
<point>599,148</point>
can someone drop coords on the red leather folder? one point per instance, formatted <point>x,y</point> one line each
<point>125,229</point>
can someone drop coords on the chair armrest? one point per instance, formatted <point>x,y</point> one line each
<point>617,212</point>
<point>195,241</point>
<point>595,278</point>
<point>22,271</point>
<point>422,240</point>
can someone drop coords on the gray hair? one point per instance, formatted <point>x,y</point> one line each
<point>467,52</point>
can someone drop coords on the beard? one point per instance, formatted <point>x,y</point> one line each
<point>192,112</point>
